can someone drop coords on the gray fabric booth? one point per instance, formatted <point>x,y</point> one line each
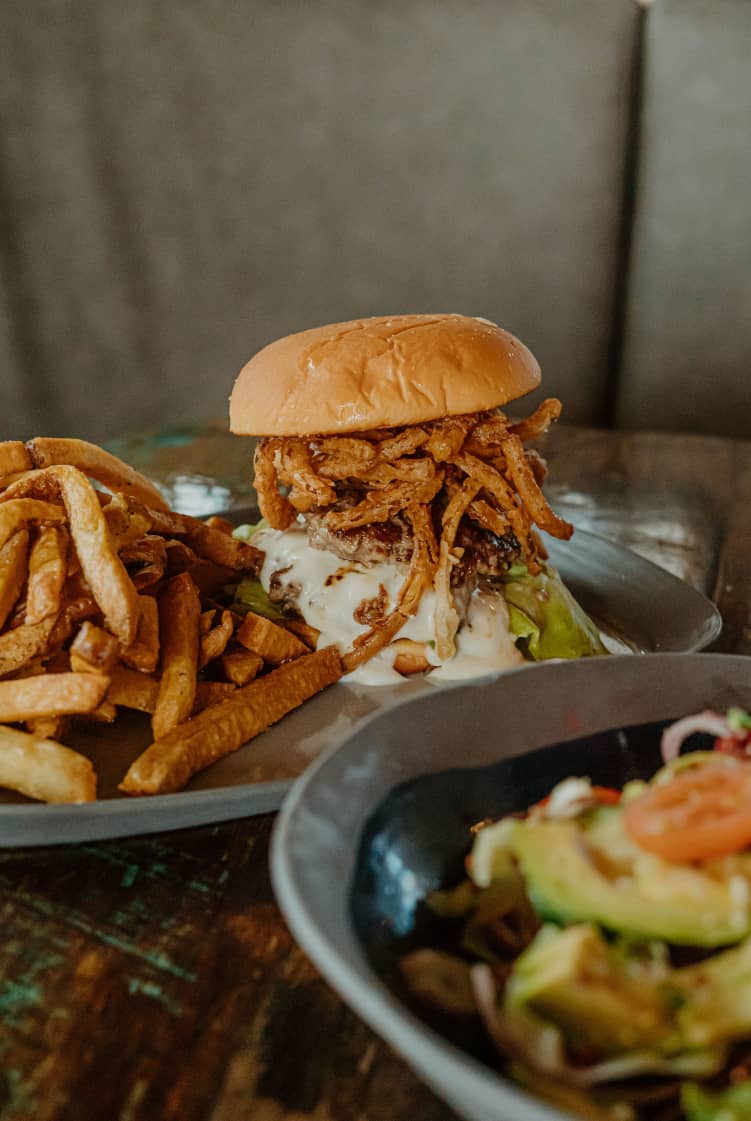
<point>181,182</point>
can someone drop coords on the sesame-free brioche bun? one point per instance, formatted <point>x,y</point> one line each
<point>379,373</point>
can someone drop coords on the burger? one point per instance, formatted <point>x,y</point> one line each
<point>402,509</point>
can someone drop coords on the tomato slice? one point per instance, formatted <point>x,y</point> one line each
<point>702,813</point>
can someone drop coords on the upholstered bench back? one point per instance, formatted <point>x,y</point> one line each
<point>181,182</point>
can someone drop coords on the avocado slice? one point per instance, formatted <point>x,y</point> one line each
<point>717,998</point>
<point>587,870</point>
<point>603,1002</point>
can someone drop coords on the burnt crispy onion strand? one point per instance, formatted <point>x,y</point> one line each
<point>475,467</point>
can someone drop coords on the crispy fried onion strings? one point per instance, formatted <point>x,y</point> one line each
<point>471,467</point>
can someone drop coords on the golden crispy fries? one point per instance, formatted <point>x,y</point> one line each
<point>309,635</point>
<point>13,557</point>
<point>130,689</point>
<point>179,612</point>
<point>51,694</point>
<point>97,464</point>
<point>100,564</point>
<point>94,650</point>
<point>126,525</point>
<point>47,572</point>
<point>273,643</point>
<point>214,643</point>
<point>19,646</point>
<point>242,667</point>
<point>78,636</point>
<point>44,769</point>
<point>17,512</point>
<point>47,727</point>
<point>146,560</point>
<point>169,763</point>
<point>14,458</point>
<point>143,654</point>
<point>210,693</point>
<point>211,544</point>
<point>221,524</point>
<point>206,621</point>
<point>106,713</point>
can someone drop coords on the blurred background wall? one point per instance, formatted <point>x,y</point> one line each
<point>181,182</point>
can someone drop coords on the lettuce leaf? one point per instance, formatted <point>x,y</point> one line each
<point>546,618</point>
<point>245,532</point>
<point>250,595</point>
<point>732,1104</point>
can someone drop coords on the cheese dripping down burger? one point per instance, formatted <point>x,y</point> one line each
<point>398,502</point>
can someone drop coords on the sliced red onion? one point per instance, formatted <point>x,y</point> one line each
<point>710,722</point>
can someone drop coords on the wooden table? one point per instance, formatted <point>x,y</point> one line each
<point>154,979</point>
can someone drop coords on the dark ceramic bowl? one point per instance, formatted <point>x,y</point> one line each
<point>386,817</point>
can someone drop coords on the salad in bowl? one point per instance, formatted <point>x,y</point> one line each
<point>603,937</point>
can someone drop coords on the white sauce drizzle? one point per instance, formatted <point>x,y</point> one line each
<point>331,590</point>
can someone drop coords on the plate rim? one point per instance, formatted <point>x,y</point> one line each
<point>35,824</point>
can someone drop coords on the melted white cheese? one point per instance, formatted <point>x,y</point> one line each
<point>331,590</point>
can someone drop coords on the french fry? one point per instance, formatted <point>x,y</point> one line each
<point>44,769</point>
<point>47,727</point>
<point>304,631</point>
<point>241,667</point>
<point>130,689</point>
<point>273,643</point>
<point>19,646</point>
<point>143,654</point>
<point>179,612</point>
<point>211,544</point>
<point>94,650</point>
<point>47,572</point>
<point>215,641</point>
<point>97,464</point>
<point>13,558</point>
<point>105,713</point>
<point>101,566</point>
<point>51,694</point>
<point>210,693</point>
<point>14,458</point>
<point>15,513</point>
<point>126,526</point>
<point>215,522</point>
<point>169,763</point>
<point>205,621</point>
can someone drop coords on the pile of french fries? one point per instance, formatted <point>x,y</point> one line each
<point>109,600</point>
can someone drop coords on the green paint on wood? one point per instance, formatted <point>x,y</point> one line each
<point>130,874</point>
<point>156,992</point>
<point>17,996</point>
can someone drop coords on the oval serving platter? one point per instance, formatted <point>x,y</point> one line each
<point>636,602</point>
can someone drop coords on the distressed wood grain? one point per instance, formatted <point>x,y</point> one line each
<point>154,979</point>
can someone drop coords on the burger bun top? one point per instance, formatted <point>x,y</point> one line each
<point>379,373</point>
